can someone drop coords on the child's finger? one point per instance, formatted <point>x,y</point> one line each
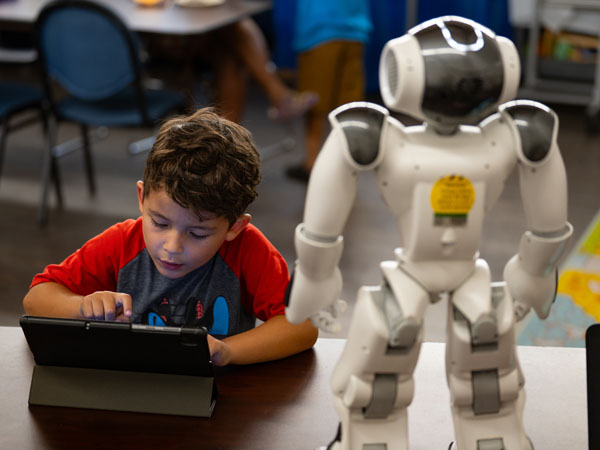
<point>109,306</point>
<point>124,302</point>
<point>86,309</point>
<point>98,309</point>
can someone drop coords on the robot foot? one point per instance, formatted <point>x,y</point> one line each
<point>336,440</point>
<point>454,447</point>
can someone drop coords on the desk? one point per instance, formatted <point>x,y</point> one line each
<point>165,19</point>
<point>285,404</point>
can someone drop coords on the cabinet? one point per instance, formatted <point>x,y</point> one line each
<point>562,81</point>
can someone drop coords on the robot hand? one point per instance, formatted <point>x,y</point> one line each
<point>529,290</point>
<point>532,275</point>
<point>317,281</point>
<point>326,319</point>
<point>307,296</point>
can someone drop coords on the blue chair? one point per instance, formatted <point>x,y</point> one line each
<point>17,98</point>
<point>14,99</point>
<point>87,51</point>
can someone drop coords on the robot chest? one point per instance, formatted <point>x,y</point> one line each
<point>449,181</point>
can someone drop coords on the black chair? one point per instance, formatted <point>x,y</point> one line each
<point>89,55</point>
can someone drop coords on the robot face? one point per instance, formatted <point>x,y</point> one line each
<point>463,71</point>
<point>448,71</point>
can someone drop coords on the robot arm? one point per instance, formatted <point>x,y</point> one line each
<point>352,146</point>
<point>531,275</point>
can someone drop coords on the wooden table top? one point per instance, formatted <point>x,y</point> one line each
<point>285,404</point>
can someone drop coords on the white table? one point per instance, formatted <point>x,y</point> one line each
<point>555,406</point>
<point>167,18</point>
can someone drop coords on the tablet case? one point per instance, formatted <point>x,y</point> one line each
<point>592,352</point>
<point>120,366</point>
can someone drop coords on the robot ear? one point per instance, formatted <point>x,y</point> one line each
<point>512,69</point>
<point>402,76</point>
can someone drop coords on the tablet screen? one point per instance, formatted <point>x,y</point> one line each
<point>117,346</point>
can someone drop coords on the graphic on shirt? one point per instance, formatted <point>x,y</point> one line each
<point>220,317</point>
<point>176,314</point>
<point>199,310</point>
<point>215,319</point>
<point>155,320</point>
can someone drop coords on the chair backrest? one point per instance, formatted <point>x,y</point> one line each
<point>87,49</point>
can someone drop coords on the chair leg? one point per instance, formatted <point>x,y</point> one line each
<point>55,174</point>
<point>87,156</point>
<point>3,134</point>
<point>47,171</point>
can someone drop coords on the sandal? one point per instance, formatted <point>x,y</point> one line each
<point>293,106</point>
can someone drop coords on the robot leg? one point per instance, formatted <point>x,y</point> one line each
<point>372,382</point>
<point>485,380</point>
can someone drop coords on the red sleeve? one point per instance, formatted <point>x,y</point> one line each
<point>262,271</point>
<point>96,265</point>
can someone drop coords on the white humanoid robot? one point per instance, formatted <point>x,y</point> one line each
<point>439,179</point>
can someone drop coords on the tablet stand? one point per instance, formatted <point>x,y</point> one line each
<point>116,390</point>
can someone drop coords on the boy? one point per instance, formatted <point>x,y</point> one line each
<point>192,258</point>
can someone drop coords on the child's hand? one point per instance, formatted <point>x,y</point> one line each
<point>106,305</point>
<point>220,352</point>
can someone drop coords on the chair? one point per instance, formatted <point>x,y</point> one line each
<point>88,54</point>
<point>14,99</point>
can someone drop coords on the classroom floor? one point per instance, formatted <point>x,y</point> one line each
<point>370,235</point>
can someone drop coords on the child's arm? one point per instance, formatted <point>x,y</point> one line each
<point>274,339</point>
<point>55,300</point>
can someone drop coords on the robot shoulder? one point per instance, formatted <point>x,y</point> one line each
<point>361,124</point>
<point>536,126</point>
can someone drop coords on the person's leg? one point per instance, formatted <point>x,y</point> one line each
<point>335,71</point>
<point>351,75</point>
<point>229,76</point>
<point>245,41</point>
<point>346,84</point>
<point>316,73</point>
<point>340,83</point>
<point>230,86</point>
<point>249,45</point>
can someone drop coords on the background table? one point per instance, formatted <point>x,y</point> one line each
<point>285,404</point>
<point>167,18</point>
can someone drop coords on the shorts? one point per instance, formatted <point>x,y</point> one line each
<point>335,71</point>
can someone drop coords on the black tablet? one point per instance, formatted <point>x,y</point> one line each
<point>592,351</point>
<point>117,346</point>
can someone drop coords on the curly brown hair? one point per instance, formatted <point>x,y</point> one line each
<point>205,163</point>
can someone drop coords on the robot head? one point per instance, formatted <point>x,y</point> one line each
<point>448,71</point>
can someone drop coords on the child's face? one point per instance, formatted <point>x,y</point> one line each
<point>176,239</point>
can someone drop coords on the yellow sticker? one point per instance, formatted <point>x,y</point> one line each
<point>452,195</point>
